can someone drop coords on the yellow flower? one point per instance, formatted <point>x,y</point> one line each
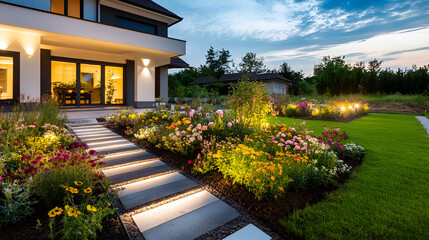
<point>91,208</point>
<point>273,178</point>
<point>71,212</point>
<point>281,189</point>
<point>257,180</point>
<point>77,183</point>
<point>88,190</point>
<point>55,211</point>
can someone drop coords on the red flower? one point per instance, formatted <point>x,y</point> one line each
<point>92,152</point>
<point>15,143</point>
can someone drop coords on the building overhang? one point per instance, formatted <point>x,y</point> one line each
<point>63,31</point>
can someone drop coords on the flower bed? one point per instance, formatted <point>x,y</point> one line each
<point>42,167</point>
<point>315,109</point>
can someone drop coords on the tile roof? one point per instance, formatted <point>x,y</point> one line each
<point>150,5</point>
<point>236,76</point>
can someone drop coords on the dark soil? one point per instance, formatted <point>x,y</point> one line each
<point>399,107</point>
<point>267,211</point>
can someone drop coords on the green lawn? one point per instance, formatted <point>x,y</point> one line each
<point>387,197</point>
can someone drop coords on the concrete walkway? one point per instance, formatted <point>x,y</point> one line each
<point>178,208</point>
<point>424,121</point>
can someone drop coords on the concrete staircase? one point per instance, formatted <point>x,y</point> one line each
<point>177,207</point>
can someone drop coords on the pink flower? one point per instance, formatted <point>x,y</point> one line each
<point>210,123</point>
<point>199,126</point>
<point>229,124</point>
<point>200,114</point>
<point>15,143</point>
<point>220,112</point>
<point>190,162</point>
<point>204,128</point>
<point>191,113</point>
<point>92,152</point>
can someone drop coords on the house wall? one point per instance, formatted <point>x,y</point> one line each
<point>44,5</point>
<point>28,46</point>
<point>276,88</point>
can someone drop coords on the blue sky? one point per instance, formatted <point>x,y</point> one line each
<point>301,32</point>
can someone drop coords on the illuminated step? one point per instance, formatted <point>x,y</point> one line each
<point>103,143</point>
<point>117,148</point>
<point>95,135</point>
<point>105,138</point>
<point>249,232</point>
<point>91,133</point>
<point>86,130</point>
<point>192,224</point>
<point>127,158</point>
<point>142,192</point>
<point>159,215</point>
<point>135,171</point>
<point>87,126</point>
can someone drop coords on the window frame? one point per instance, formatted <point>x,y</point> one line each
<point>66,12</point>
<point>16,76</point>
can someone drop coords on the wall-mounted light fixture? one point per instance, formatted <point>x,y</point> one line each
<point>146,62</point>
<point>29,51</point>
<point>3,45</point>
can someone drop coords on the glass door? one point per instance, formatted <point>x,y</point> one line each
<point>63,87</point>
<point>90,84</point>
<point>114,90</point>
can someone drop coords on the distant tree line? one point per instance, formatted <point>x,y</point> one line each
<point>332,76</point>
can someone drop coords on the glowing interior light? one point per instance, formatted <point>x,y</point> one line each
<point>146,62</point>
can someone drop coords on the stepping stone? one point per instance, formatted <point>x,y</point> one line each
<point>95,135</point>
<point>87,130</point>
<point>142,192</point>
<point>101,131</point>
<point>117,148</point>
<point>100,139</point>
<point>135,171</point>
<point>193,224</point>
<point>104,143</point>
<point>159,215</point>
<point>249,232</point>
<point>130,157</point>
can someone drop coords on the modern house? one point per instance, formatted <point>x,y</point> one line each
<point>87,52</point>
<point>277,85</point>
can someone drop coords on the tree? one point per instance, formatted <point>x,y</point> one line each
<point>251,63</point>
<point>217,62</point>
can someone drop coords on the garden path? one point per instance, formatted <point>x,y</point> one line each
<point>158,202</point>
<point>424,121</point>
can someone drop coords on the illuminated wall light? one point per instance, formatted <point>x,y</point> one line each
<point>29,51</point>
<point>146,62</point>
<point>3,45</point>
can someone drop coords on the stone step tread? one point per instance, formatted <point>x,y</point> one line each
<point>249,232</point>
<point>193,224</point>
<point>145,191</point>
<point>127,158</point>
<point>87,126</point>
<point>135,171</point>
<point>105,143</point>
<point>100,139</point>
<point>87,130</point>
<point>156,216</point>
<point>117,149</point>
<point>95,133</point>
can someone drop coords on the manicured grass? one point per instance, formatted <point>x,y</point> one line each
<point>387,196</point>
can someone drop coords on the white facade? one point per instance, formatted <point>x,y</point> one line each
<point>27,31</point>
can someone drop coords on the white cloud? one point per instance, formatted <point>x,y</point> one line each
<point>401,48</point>
<point>275,20</point>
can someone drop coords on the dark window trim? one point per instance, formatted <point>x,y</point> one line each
<point>39,10</point>
<point>103,80</point>
<point>85,61</point>
<point>16,89</point>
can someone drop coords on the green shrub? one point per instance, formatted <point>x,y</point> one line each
<point>47,185</point>
<point>250,103</point>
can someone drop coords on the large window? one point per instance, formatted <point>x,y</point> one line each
<point>72,8</point>
<point>63,77</point>
<point>90,84</point>
<point>114,85</point>
<point>6,78</point>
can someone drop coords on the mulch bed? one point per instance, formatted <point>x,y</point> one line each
<point>266,211</point>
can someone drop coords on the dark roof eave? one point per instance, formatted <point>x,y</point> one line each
<point>163,12</point>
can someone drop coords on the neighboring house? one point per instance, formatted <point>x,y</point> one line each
<point>87,52</point>
<point>277,85</point>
